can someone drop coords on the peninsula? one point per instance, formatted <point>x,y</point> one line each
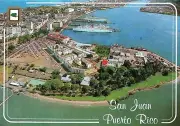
<point>161,8</point>
<point>42,62</point>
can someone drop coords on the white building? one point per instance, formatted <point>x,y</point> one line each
<point>88,63</point>
<point>128,54</point>
<point>70,10</point>
<point>1,37</point>
<point>14,84</point>
<point>13,31</point>
<point>122,54</point>
<point>59,52</point>
<point>66,78</point>
<point>61,24</point>
<point>32,26</point>
<point>65,40</point>
<point>115,62</point>
<point>139,54</point>
<point>41,23</point>
<point>86,81</point>
<point>31,71</point>
<point>78,61</point>
<point>67,51</point>
<point>57,24</point>
<point>49,26</point>
<point>58,16</point>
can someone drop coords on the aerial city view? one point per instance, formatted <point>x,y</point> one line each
<point>105,61</point>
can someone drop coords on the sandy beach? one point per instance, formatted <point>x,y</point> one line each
<point>92,103</point>
<point>77,103</point>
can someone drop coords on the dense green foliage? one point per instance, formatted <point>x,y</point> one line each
<point>102,51</point>
<point>11,47</point>
<point>43,69</point>
<point>55,74</point>
<point>165,72</point>
<point>109,79</point>
<point>28,37</point>
<point>77,78</point>
<point>121,93</point>
<point>12,38</point>
<point>56,86</point>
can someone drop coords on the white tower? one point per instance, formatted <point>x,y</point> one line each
<point>32,26</point>
<point>50,26</point>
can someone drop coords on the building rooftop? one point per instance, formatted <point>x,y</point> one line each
<point>14,83</point>
<point>104,62</point>
<point>66,78</point>
<point>86,81</point>
<point>35,82</point>
<point>139,54</point>
<point>57,36</point>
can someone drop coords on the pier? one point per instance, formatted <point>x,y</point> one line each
<point>6,99</point>
<point>91,19</point>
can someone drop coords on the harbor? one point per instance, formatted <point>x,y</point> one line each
<point>133,31</point>
<point>90,23</point>
<point>91,19</point>
<point>93,28</point>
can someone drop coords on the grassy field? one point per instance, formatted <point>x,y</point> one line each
<point>151,81</point>
<point>9,70</point>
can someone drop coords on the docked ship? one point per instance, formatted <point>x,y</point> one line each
<point>91,19</point>
<point>95,19</point>
<point>93,28</point>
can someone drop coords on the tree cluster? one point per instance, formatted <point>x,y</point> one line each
<point>58,87</point>
<point>109,79</point>
<point>28,37</point>
<point>102,51</point>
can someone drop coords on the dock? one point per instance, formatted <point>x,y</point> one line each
<point>91,19</point>
<point>6,99</point>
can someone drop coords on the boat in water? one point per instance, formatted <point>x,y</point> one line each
<point>91,19</point>
<point>93,28</point>
<point>95,19</point>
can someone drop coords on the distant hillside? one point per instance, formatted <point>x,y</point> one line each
<point>162,10</point>
<point>174,1</point>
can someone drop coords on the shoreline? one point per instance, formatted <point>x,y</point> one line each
<point>76,103</point>
<point>160,9</point>
<point>131,92</point>
<point>95,103</point>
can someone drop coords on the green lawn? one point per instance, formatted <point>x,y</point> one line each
<point>9,70</point>
<point>151,81</point>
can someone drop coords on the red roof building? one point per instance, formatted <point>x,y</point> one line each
<point>104,62</point>
<point>58,37</point>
